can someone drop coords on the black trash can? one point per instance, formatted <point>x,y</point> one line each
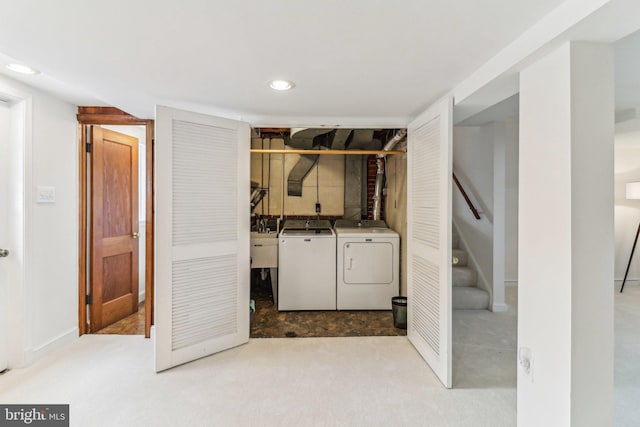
<point>399,307</point>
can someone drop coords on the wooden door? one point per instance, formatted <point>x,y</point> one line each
<point>202,235</point>
<point>429,172</point>
<point>114,227</point>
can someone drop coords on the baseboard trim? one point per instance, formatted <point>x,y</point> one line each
<point>499,307</point>
<point>53,344</point>
<point>141,296</point>
<point>511,283</point>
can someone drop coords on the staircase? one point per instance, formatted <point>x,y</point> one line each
<point>466,294</point>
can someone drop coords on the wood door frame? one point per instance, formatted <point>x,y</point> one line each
<point>113,116</point>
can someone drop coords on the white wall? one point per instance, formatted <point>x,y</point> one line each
<point>565,298</point>
<point>474,153</point>
<point>473,165</point>
<point>51,242</point>
<point>627,212</point>
<point>511,129</point>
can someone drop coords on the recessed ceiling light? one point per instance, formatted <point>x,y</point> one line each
<point>22,69</point>
<point>281,85</point>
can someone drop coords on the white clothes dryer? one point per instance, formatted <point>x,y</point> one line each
<point>368,265</point>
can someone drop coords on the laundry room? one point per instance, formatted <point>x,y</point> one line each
<point>328,215</point>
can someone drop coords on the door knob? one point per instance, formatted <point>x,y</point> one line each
<point>135,235</point>
<point>4,253</point>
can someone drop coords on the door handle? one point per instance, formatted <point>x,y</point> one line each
<point>350,264</point>
<point>4,253</point>
<point>135,235</point>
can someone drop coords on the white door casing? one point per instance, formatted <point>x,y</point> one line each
<point>202,235</point>
<point>4,240</point>
<point>428,259</point>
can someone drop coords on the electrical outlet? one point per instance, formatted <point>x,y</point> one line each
<point>525,361</point>
<point>46,194</point>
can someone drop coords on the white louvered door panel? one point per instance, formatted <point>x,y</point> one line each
<point>429,237</point>
<point>202,236</point>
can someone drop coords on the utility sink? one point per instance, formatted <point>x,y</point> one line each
<point>264,250</point>
<point>269,235</point>
<point>264,254</point>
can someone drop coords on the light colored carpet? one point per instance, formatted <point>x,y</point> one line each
<point>484,347</point>
<point>356,381</point>
<point>627,357</point>
<point>368,381</point>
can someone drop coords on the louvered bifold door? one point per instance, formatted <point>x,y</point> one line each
<point>202,235</point>
<point>429,237</point>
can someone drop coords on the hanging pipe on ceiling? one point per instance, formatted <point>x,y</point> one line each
<point>380,164</point>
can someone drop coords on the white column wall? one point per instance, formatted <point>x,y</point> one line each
<point>566,238</point>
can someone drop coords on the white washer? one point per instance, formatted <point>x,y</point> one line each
<point>368,264</point>
<point>307,266</point>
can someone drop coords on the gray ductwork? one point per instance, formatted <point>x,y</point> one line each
<point>380,163</point>
<point>341,139</point>
<point>362,139</point>
<point>299,172</point>
<point>304,139</point>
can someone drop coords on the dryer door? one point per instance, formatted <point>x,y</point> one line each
<point>368,263</point>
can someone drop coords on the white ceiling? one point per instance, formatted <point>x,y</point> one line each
<point>370,60</point>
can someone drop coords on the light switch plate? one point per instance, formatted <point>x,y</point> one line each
<point>46,194</point>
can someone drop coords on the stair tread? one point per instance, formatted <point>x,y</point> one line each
<point>462,256</point>
<point>464,276</point>
<point>455,240</point>
<point>470,298</point>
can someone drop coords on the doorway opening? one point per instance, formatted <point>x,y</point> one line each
<point>340,182</point>
<point>116,222</point>
<point>485,222</point>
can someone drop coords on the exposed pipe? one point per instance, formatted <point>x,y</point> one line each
<point>380,163</point>
<point>377,193</point>
<point>402,133</point>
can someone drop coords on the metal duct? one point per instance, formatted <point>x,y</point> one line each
<point>362,139</point>
<point>299,172</point>
<point>341,139</point>
<point>380,162</point>
<point>402,133</point>
<point>377,193</point>
<point>304,139</point>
